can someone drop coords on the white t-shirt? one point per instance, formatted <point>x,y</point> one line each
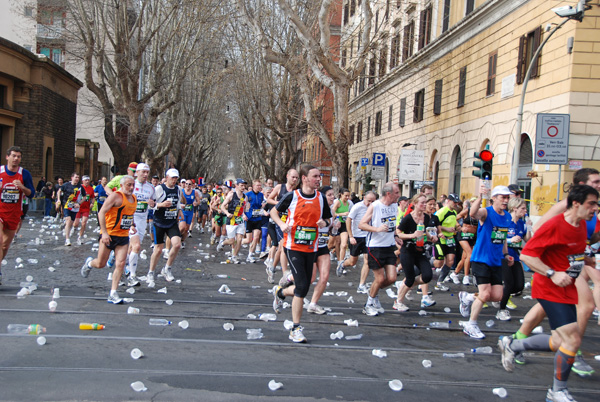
<point>143,193</point>
<point>356,214</point>
<point>383,214</point>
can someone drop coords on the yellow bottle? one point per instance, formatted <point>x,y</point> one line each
<point>95,327</point>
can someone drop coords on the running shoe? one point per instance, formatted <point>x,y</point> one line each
<point>212,240</point>
<point>167,274</point>
<point>465,304</point>
<point>339,271</point>
<point>263,255</point>
<point>286,280</point>
<point>391,293</point>
<point>455,278</point>
<point>473,331</point>
<point>409,296</point>
<point>132,280</point>
<point>507,353</point>
<point>250,259</point>
<point>68,242</point>
<point>297,336</point>
<point>114,299</point>
<point>466,280</point>
<point>510,305</point>
<point>503,315</point>
<point>235,260</point>
<point>79,242</point>
<point>580,367</point>
<point>427,301</point>
<point>362,289</point>
<point>420,292</point>
<point>270,273</point>
<point>277,302</point>
<point>398,305</point>
<point>377,305</point>
<point>441,287</point>
<point>165,254</point>
<point>496,304</point>
<point>315,309</point>
<point>86,269</point>
<point>370,310</point>
<point>220,246</point>
<point>190,234</point>
<point>559,396</point>
<point>182,246</point>
<point>150,279</point>
<point>520,358</point>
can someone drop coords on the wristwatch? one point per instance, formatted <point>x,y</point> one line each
<point>549,273</point>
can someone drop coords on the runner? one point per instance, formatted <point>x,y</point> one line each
<point>234,207</point>
<point>71,196</point>
<point>486,261</point>
<point>219,217</point>
<point>192,200</point>
<point>15,182</point>
<point>154,181</point>
<point>306,210</point>
<point>203,208</point>
<point>87,192</point>
<point>116,223</point>
<point>114,184</point>
<point>556,255</point>
<point>100,194</point>
<point>341,208</point>
<point>466,239</point>
<point>255,214</point>
<point>168,209</point>
<point>380,221</point>
<point>445,248</point>
<point>57,200</point>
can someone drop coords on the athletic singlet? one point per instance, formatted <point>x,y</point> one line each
<point>143,193</point>
<point>386,215</point>
<point>447,219</point>
<point>490,238</point>
<point>119,220</point>
<point>256,201</point>
<point>343,208</point>
<point>189,201</point>
<point>324,235</point>
<point>73,198</point>
<point>303,214</point>
<point>236,207</point>
<point>165,217</point>
<point>283,191</point>
<point>11,198</point>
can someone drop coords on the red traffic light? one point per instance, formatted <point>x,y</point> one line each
<point>486,155</point>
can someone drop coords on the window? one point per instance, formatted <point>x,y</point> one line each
<point>383,58</point>
<point>390,114</point>
<point>409,38</point>
<point>437,98</point>
<point>387,10</point>
<point>57,56</point>
<point>446,17</point>
<point>28,12</point>
<point>425,28</point>
<point>378,123</point>
<point>395,51</point>
<point>368,128</point>
<point>469,6</point>
<point>359,132</point>
<point>402,116</point>
<point>528,45</point>
<point>3,91</point>
<point>455,176</point>
<point>346,16</point>
<point>352,7</point>
<point>419,106</point>
<point>351,134</point>
<point>343,60</point>
<point>462,85</point>
<point>491,79</point>
<point>376,20</point>
<point>361,81</point>
<point>372,68</point>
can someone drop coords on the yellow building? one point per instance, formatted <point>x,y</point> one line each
<point>446,77</point>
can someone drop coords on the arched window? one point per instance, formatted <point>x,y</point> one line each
<point>455,172</point>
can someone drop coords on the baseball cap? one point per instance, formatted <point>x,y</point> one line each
<point>182,181</point>
<point>132,166</point>
<point>239,181</point>
<point>454,197</point>
<point>142,166</point>
<point>155,177</point>
<point>172,173</point>
<point>402,198</point>
<point>501,190</point>
<point>514,188</point>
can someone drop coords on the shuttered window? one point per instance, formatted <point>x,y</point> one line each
<point>425,28</point>
<point>359,130</point>
<point>491,79</point>
<point>408,41</point>
<point>390,114</point>
<point>419,106</point>
<point>437,98</point>
<point>351,134</point>
<point>446,16</point>
<point>402,115</point>
<point>462,86</point>
<point>378,122</point>
<point>528,45</point>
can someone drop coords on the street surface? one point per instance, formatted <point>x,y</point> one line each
<point>205,362</point>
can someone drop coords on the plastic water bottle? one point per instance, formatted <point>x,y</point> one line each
<point>437,324</point>
<point>25,329</point>
<point>482,350</point>
<point>159,321</point>
<point>453,355</point>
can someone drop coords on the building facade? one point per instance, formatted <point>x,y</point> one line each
<point>446,77</point>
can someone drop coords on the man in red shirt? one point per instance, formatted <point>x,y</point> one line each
<point>84,208</point>
<point>556,255</point>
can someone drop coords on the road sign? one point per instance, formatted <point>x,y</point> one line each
<point>364,162</point>
<point>378,172</point>
<point>552,138</point>
<point>420,183</point>
<point>378,159</point>
<point>412,164</point>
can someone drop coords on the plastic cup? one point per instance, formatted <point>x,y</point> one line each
<point>52,306</point>
<point>136,354</point>
<point>138,386</point>
<point>130,291</point>
<point>228,326</point>
<point>41,340</point>
<point>395,385</point>
<point>29,278</point>
<point>183,324</point>
<point>501,392</point>
<point>133,310</point>
<point>426,363</point>
<point>274,385</point>
<point>169,302</point>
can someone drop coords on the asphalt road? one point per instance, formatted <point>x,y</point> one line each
<point>205,362</point>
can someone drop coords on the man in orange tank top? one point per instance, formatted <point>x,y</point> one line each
<point>116,222</point>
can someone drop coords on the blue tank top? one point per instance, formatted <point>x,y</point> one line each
<point>591,225</point>
<point>189,202</point>
<point>255,200</point>
<point>516,229</point>
<point>490,238</point>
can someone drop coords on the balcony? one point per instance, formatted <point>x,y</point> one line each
<point>49,31</point>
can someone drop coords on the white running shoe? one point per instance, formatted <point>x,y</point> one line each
<point>559,396</point>
<point>132,281</point>
<point>466,281</point>
<point>68,242</point>
<point>377,305</point>
<point>297,336</point>
<point>508,355</point>
<point>503,315</point>
<point>277,302</point>
<point>464,304</point>
<point>315,309</point>
<point>114,299</point>
<point>167,274</point>
<point>370,310</point>
<point>455,278</point>
<point>427,301</point>
<point>220,246</point>
<point>473,331</point>
<point>86,269</point>
<point>400,306</point>
<point>441,287</point>
<point>79,243</point>
<point>362,289</point>
<point>150,279</point>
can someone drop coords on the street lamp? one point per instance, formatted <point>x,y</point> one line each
<point>568,13</point>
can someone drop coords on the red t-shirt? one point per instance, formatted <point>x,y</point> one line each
<point>559,245</point>
<point>86,203</point>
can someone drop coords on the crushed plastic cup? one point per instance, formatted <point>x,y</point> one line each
<point>490,323</point>
<point>128,300</point>
<point>422,312</point>
<point>254,333</point>
<point>267,317</point>
<point>133,310</point>
<point>136,353</point>
<point>4,262</point>
<point>426,363</point>
<point>184,324</point>
<point>379,353</point>
<point>274,385</point>
<point>162,290</point>
<point>597,357</point>
<point>351,323</point>
<point>501,392</point>
<point>19,260</point>
<point>251,316</point>
<point>41,340</point>
<point>336,335</point>
<point>286,305</point>
<point>354,337</point>
<point>350,299</point>
<point>341,293</point>
<point>52,306</point>
<point>395,385</point>
<point>32,261</point>
<point>287,324</point>
<point>447,310</point>
<point>224,289</point>
<point>138,386</point>
<point>228,326</point>
<point>51,269</point>
<point>169,302</point>
<point>130,291</point>
<point>29,278</point>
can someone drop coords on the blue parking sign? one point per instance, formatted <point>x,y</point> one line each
<point>378,159</point>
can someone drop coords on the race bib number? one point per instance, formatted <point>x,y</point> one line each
<point>450,242</point>
<point>499,235</point>
<point>283,217</point>
<point>10,196</point>
<point>256,212</point>
<point>171,213</point>
<point>576,263</point>
<point>70,205</point>
<point>142,207</point>
<point>126,222</point>
<point>517,245</point>
<point>188,207</point>
<point>390,222</point>
<point>323,239</point>
<point>467,236</point>
<point>305,235</point>
<point>102,199</point>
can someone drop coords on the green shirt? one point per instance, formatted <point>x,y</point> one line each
<point>447,218</point>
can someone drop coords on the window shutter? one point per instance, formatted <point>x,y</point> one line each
<point>437,98</point>
<point>521,59</point>
<point>422,24</point>
<point>402,112</point>
<point>462,85</point>
<point>537,36</point>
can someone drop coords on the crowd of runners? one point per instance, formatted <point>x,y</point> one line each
<point>300,230</point>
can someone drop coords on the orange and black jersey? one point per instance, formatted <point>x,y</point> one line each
<point>120,219</point>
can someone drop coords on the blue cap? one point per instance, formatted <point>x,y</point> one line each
<point>239,181</point>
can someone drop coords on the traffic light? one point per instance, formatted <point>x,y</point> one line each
<point>484,164</point>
